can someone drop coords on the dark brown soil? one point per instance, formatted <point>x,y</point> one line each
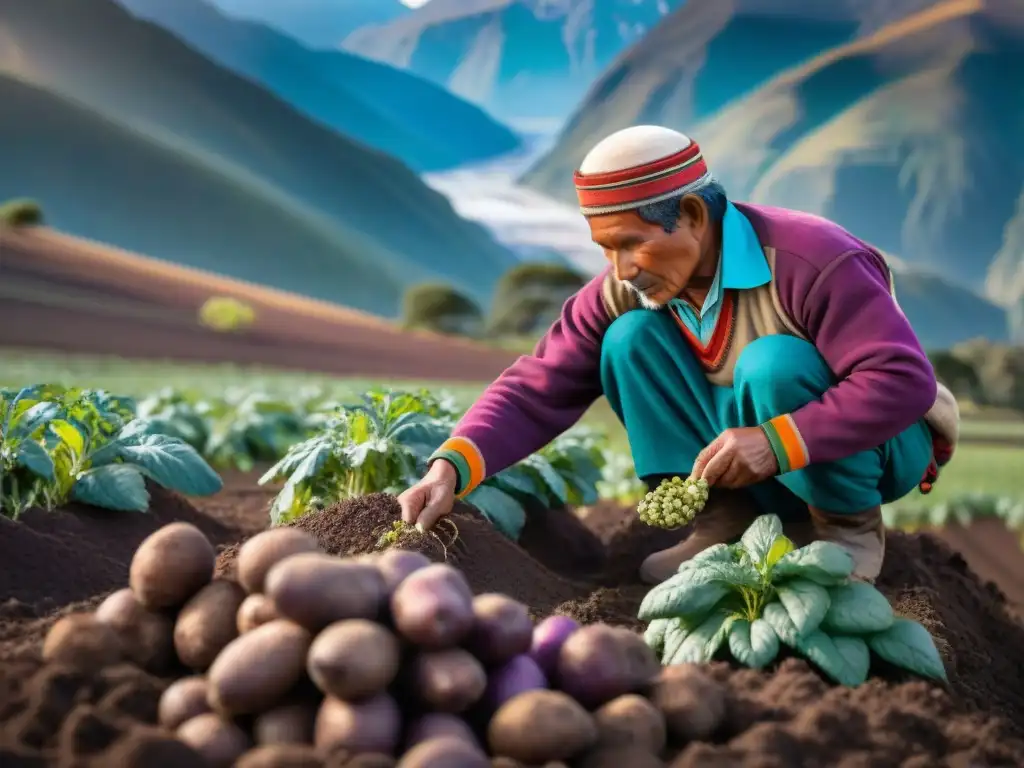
<point>51,715</point>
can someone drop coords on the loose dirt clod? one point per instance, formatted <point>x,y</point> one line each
<point>80,641</point>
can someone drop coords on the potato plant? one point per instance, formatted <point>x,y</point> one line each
<point>960,510</point>
<point>59,445</point>
<point>383,443</point>
<point>750,598</point>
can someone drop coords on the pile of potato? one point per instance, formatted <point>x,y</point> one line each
<point>311,660</point>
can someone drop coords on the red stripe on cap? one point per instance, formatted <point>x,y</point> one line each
<point>644,190</point>
<point>637,171</point>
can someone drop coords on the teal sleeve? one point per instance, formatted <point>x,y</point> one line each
<point>456,460</point>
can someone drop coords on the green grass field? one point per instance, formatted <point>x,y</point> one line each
<point>995,469</point>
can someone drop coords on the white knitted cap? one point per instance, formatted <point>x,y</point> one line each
<point>638,166</point>
<point>630,147</point>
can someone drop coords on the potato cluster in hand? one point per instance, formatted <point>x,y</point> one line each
<point>313,659</point>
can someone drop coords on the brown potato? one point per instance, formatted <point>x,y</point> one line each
<point>369,726</point>
<point>447,751</point>
<point>255,610</point>
<point>264,550</point>
<point>80,641</point>
<point>183,700</point>
<point>541,726</point>
<point>147,636</point>
<point>171,565</point>
<point>315,590</point>
<point>448,681</point>
<point>693,703</point>
<point>281,756</point>
<point>256,670</point>
<point>220,742</point>
<point>353,659</point>
<point>290,723</point>
<point>631,721</point>
<point>619,757</point>
<point>502,629</point>
<point>397,564</point>
<point>433,607</point>
<point>207,623</point>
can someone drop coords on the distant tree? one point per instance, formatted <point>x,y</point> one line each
<point>440,308</point>
<point>226,314</point>
<point>21,213</point>
<point>529,297</point>
<point>959,375</point>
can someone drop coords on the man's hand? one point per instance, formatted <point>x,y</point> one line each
<point>737,458</point>
<point>431,498</point>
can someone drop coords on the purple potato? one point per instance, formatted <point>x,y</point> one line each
<point>548,638</point>
<point>599,663</point>
<point>517,676</point>
<point>436,725</point>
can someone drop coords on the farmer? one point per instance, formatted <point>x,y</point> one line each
<point>759,348</point>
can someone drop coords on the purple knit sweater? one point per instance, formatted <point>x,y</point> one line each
<point>834,287</point>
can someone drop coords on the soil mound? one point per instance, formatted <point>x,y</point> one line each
<point>491,562</point>
<point>791,717</point>
<point>51,559</point>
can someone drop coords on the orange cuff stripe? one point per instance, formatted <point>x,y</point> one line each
<point>467,449</point>
<point>793,443</point>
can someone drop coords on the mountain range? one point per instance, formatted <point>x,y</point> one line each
<point>128,136</point>
<point>406,116</point>
<point>904,127</point>
<point>317,23</point>
<point>522,60</point>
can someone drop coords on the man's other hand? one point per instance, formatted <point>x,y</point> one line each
<point>737,458</point>
<point>431,498</point>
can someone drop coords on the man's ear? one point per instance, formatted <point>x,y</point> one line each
<point>694,213</point>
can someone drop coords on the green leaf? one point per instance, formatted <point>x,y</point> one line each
<point>654,634</point>
<point>909,645</point>
<point>845,659</point>
<point>33,417</point>
<point>716,553</point>
<point>114,486</point>
<point>702,643</point>
<point>758,539</point>
<point>675,634</point>
<point>805,602</point>
<point>754,644</point>
<point>782,546</point>
<point>174,464</point>
<point>558,488</point>
<point>857,609</point>
<point>517,479</point>
<point>692,592</point>
<point>34,457</point>
<point>820,561</point>
<point>69,434</point>
<point>687,600</point>
<point>778,619</point>
<point>503,511</point>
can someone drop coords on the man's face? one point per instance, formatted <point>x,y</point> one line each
<point>655,264</point>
